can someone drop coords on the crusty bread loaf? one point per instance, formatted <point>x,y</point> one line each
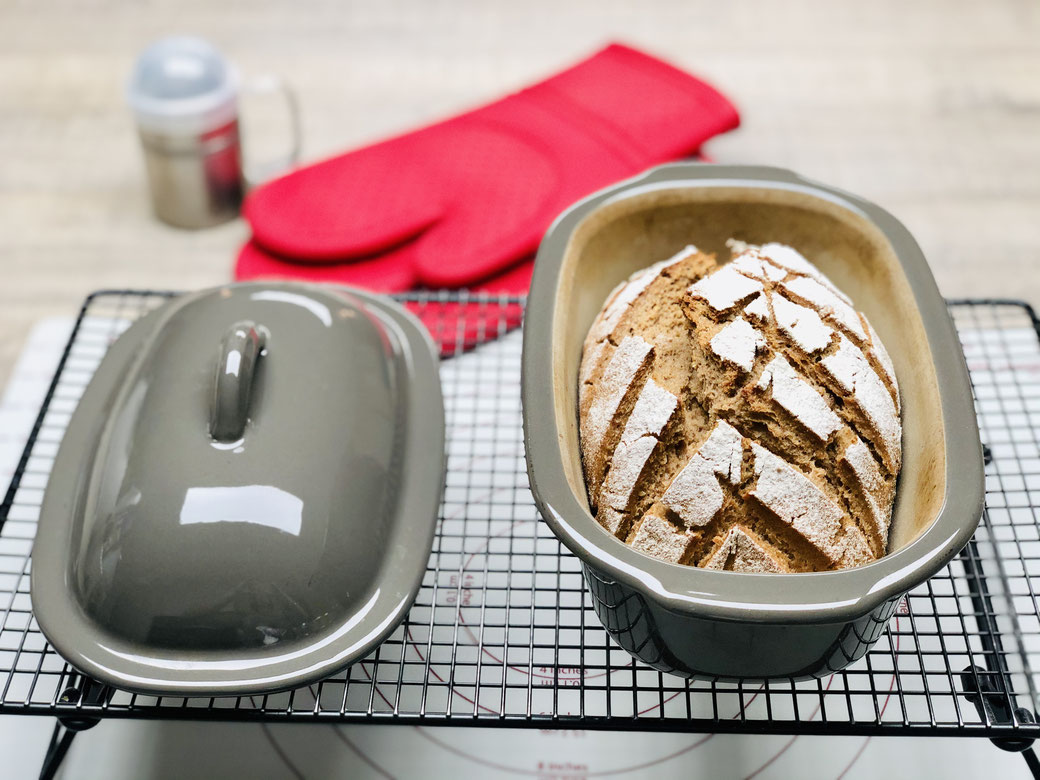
<point>741,417</point>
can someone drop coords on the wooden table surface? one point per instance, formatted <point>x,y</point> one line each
<point>930,108</point>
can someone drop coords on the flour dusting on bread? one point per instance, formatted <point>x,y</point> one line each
<point>740,417</point>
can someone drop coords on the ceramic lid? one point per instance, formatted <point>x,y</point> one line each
<point>246,493</point>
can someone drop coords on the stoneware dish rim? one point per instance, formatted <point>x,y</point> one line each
<point>804,598</point>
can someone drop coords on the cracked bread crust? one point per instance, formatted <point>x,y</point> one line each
<point>740,417</point>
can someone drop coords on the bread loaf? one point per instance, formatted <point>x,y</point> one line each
<point>741,417</point>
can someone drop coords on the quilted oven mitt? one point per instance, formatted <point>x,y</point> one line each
<point>463,202</point>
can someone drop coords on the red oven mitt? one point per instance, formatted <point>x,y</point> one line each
<point>465,199</point>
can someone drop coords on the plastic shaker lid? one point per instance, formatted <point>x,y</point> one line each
<point>182,84</point>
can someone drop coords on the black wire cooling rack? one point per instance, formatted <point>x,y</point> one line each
<point>503,631</point>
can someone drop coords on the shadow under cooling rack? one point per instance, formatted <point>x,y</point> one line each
<point>503,631</point>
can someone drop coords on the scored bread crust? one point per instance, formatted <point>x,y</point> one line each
<point>742,417</point>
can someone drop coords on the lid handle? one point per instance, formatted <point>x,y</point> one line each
<point>233,389</point>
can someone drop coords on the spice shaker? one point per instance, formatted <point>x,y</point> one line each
<point>184,95</point>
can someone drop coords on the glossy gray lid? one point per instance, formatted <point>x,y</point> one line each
<point>245,498</point>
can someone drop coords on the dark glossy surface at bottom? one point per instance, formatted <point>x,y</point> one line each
<point>719,650</point>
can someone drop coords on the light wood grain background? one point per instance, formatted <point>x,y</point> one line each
<point>931,108</point>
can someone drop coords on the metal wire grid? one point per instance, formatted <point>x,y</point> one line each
<point>503,632</point>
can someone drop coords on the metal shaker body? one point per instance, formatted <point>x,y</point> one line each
<point>184,96</point>
<point>195,179</point>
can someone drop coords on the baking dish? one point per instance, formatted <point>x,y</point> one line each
<point>245,497</point>
<point>736,625</point>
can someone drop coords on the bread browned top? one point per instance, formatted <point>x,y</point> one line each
<point>741,417</point>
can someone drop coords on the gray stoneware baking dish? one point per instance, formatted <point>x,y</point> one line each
<point>738,625</point>
<point>245,498</point>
